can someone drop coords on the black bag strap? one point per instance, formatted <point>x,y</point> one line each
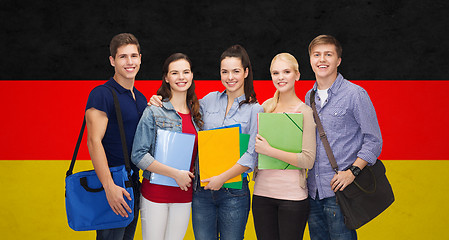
<point>122,136</point>
<point>85,185</point>
<point>122,131</point>
<point>77,146</point>
<point>323,137</point>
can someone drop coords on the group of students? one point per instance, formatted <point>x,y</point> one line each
<point>283,200</point>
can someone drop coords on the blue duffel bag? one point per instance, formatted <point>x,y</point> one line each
<point>86,204</point>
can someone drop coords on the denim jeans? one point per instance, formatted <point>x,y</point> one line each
<point>326,221</point>
<point>125,233</point>
<point>221,214</point>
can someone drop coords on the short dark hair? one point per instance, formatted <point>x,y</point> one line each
<point>326,39</point>
<point>121,40</point>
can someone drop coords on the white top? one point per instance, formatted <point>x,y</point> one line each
<point>323,96</point>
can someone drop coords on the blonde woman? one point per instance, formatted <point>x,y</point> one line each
<point>280,205</point>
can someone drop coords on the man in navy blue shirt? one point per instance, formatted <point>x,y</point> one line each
<point>103,140</point>
<point>350,122</point>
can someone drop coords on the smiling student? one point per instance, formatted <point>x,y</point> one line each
<point>222,213</point>
<point>280,205</point>
<point>103,136</point>
<point>217,212</point>
<point>165,210</point>
<point>349,119</point>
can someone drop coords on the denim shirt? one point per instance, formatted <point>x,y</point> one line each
<point>350,123</point>
<point>213,109</point>
<point>154,118</point>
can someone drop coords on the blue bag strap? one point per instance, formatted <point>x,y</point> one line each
<point>122,137</point>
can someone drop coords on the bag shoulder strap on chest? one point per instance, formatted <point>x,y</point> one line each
<point>323,137</point>
<point>122,136</point>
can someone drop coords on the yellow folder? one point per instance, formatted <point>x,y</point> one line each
<point>218,150</point>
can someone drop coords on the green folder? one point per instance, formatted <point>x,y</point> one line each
<point>282,131</point>
<point>244,140</point>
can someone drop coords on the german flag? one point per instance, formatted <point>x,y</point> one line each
<point>41,120</point>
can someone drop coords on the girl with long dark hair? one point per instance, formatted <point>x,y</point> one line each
<point>165,210</point>
<point>217,212</point>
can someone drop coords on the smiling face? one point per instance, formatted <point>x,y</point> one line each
<point>233,75</point>
<point>324,61</point>
<point>284,75</point>
<point>179,76</point>
<point>126,62</point>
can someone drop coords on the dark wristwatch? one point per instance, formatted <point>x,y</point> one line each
<point>355,170</point>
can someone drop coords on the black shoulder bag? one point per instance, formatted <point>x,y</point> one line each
<point>370,193</point>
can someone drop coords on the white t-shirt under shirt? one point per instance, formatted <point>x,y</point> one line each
<point>323,96</point>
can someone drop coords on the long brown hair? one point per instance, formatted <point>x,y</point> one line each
<point>191,98</point>
<point>239,52</point>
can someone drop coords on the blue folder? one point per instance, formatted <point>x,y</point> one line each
<point>229,126</point>
<point>173,149</point>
